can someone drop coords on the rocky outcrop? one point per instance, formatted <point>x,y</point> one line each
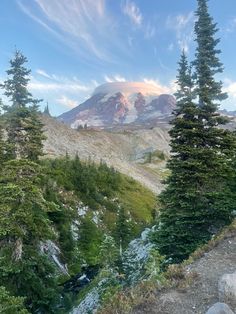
<point>220,308</point>
<point>201,296</point>
<point>227,289</point>
<point>53,252</point>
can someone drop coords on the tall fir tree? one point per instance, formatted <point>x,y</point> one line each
<point>217,147</point>
<point>197,200</point>
<point>207,64</point>
<point>24,222</point>
<point>178,230</point>
<point>24,128</point>
<point>2,141</point>
<point>24,225</point>
<point>46,111</point>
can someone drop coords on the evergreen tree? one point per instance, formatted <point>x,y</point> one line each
<point>178,230</point>
<point>122,230</point>
<point>24,128</point>
<point>46,111</point>
<point>90,239</point>
<point>24,224</point>
<point>207,64</point>
<point>34,130</point>
<point>197,200</point>
<point>2,141</point>
<point>217,147</point>
<point>10,304</point>
<point>109,251</point>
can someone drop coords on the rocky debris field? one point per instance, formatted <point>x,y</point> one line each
<point>125,150</point>
<point>213,290</point>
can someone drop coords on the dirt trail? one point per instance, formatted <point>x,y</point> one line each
<point>203,292</point>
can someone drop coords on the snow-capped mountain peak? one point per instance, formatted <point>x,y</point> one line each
<point>121,103</point>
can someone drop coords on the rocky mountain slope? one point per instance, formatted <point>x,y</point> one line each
<point>121,103</point>
<point>137,152</point>
<point>206,287</point>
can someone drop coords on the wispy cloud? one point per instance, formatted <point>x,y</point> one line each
<point>43,73</point>
<point>182,25</point>
<point>82,24</point>
<point>162,89</point>
<point>60,92</point>
<point>34,17</point>
<point>231,26</point>
<point>150,31</point>
<point>56,83</point>
<point>42,86</point>
<point>133,12</point>
<point>230,87</point>
<point>67,102</point>
<point>114,78</point>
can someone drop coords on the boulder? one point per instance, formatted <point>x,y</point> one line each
<point>219,308</point>
<point>227,289</point>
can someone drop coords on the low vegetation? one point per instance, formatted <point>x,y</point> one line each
<point>59,217</point>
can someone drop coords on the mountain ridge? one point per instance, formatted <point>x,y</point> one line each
<point>121,103</point>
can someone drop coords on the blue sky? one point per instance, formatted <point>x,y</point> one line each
<point>74,45</point>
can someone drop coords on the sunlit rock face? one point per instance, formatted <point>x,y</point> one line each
<point>121,103</point>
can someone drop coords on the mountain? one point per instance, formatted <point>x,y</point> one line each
<point>121,103</point>
<point>137,151</point>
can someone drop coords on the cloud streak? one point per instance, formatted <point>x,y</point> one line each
<point>42,86</point>
<point>162,89</point>
<point>61,92</point>
<point>115,78</point>
<point>231,26</point>
<point>51,82</point>
<point>82,25</point>
<point>230,88</point>
<point>43,73</point>
<point>67,102</point>
<point>131,10</point>
<point>182,25</point>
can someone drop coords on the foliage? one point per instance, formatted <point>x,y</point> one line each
<point>198,199</point>
<point>24,270</point>
<point>153,267</point>
<point>89,242</point>
<point>100,188</point>
<point>10,304</point>
<point>24,224</point>
<point>24,129</point>
<point>154,156</point>
<point>122,229</point>
<point>109,252</point>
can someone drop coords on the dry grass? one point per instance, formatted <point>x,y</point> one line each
<point>124,301</point>
<point>176,277</point>
<point>226,233</point>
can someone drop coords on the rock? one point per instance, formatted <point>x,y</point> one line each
<point>53,252</point>
<point>227,289</point>
<point>219,308</point>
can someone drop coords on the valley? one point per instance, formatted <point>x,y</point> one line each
<point>127,149</point>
